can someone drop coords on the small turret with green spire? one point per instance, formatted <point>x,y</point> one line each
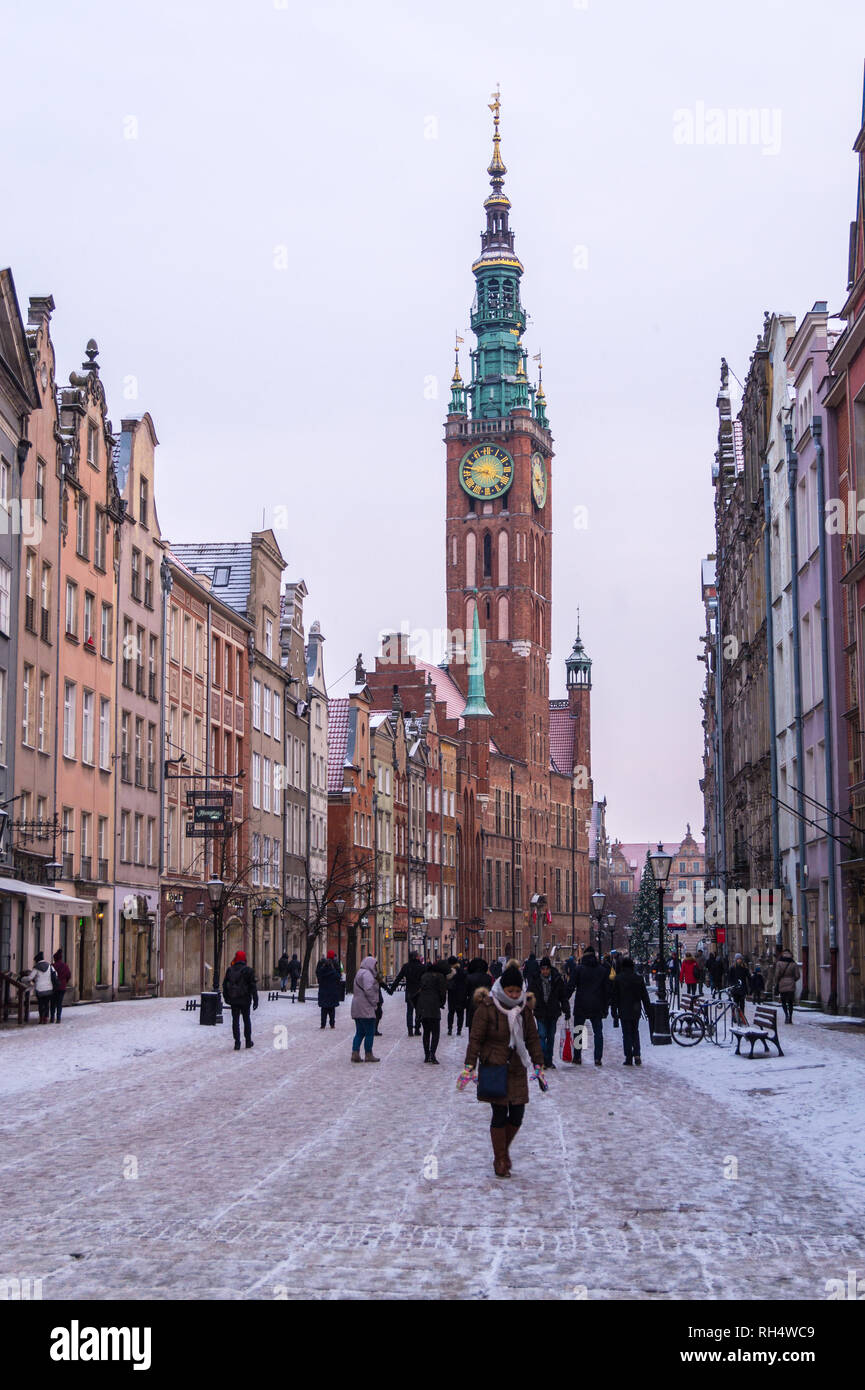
<point>458,390</point>
<point>476,706</point>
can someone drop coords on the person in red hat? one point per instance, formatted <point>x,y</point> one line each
<point>240,991</point>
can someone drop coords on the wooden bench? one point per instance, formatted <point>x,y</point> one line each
<point>764,1029</point>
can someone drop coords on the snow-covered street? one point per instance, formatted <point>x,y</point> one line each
<point>144,1158</point>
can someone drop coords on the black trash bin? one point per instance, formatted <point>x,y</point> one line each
<point>211,1007</point>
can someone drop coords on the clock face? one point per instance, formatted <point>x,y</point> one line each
<point>539,480</point>
<point>486,471</point>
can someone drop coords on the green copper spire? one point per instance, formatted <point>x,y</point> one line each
<point>458,390</point>
<point>498,318</point>
<point>476,706</point>
<point>579,664</point>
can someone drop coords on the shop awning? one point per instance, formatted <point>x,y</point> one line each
<point>40,899</point>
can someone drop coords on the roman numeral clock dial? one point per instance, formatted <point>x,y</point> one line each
<point>486,471</point>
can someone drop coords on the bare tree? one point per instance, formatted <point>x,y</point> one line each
<point>350,881</point>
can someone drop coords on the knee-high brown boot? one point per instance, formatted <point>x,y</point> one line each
<point>511,1131</point>
<point>501,1167</point>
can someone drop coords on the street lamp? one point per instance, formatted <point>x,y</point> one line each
<point>661,863</point>
<point>211,1000</point>
<point>598,900</point>
<point>611,923</point>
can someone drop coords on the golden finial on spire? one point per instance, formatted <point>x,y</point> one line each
<point>456,376</point>
<point>496,167</point>
<point>538,357</point>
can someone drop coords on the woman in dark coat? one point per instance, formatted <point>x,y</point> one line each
<point>504,1033</point>
<point>430,1002</point>
<point>329,989</point>
<point>457,994</point>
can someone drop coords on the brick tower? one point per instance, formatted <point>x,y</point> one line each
<point>499,498</point>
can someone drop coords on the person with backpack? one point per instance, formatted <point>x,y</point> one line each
<point>457,992</point>
<point>43,978</point>
<point>411,973</point>
<point>430,1002</point>
<point>628,997</point>
<point>786,975</point>
<point>240,991</point>
<point>282,968</point>
<point>329,988</point>
<point>64,975</point>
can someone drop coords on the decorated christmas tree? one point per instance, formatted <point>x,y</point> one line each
<point>644,920</point>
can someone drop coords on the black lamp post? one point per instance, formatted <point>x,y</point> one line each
<point>611,923</point>
<point>513,865</point>
<point>339,904</point>
<point>210,1011</point>
<point>598,900</point>
<point>661,863</point>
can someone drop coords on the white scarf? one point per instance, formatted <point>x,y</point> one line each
<point>513,1012</point>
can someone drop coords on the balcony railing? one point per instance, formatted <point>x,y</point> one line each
<point>86,867</point>
<point>139,680</point>
<point>124,768</point>
<point>151,776</point>
<point>67,866</point>
<point>127,674</point>
<point>139,769</point>
<point>45,629</point>
<point>102,870</point>
<point>30,613</point>
<point>151,685</point>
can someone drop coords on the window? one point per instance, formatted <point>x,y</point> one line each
<point>221,575</point>
<point>105,733</point>
<point>88,618</point>
<point>151,668</point>
<point>6,594</point>
<point>215,656</point>
<point>100,535</point>
<point>106,628</point>
<point>267,784</point>
<point>82,535</point>
<point>91,446</point>
<point>148,583</point>
<point>275,865</point>
<point>128,644</point>
<point>137,844</point>
<point>256,704</point>
<point>268,638</point>
<point>27,706</point>
<point>87,730</point>
<point>265,721</point>
<point>45,600</point>
<point>265,861</point>
<point>124,836</point>
<point>71,609</point>
<point>69,720</point>
<point>5,483</point>
<point>256,781</point>
<point>85,846</point>
<point>229,654</point>
<point>136,574</point>
<point>151,757</point>
<point>29,597</point>
<point>124,747</point>
<point>142,502</point>
<point>238,671</point>
<point>187,635</point>
<point>44,713</point>
<point>172,632</point>
<point>277,715</point>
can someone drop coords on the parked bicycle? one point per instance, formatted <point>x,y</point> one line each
<point>707,1018</point>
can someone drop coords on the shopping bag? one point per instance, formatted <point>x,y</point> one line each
<point>567,1047</point>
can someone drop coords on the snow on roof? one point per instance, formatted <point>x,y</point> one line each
<point>232,560</point>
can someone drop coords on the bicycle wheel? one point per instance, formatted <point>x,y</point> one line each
<point>687,1029</point>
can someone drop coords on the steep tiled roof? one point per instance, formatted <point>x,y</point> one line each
<point>562,729</point>
<point>337,740</point>
<point>446,689</point>
<point>235,557</point>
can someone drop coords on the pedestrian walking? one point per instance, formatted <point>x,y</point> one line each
<point>282,969</point>
<point>531,970</point>
<point>379,1008</point>
<point>591,996</point>
<point>240,990</point>
<point>504,1037</point>
<point>628,997</point>
<point>786,975</point>
<point>43,978</point>
<point>364,1002</point>
<point>411,974</point>
<point>430,1002</point>
<point>688,973</point>
<point>64,975</point>
<point>329,989</point>
<point>757,984</point>
<point>457,994</point>
<point>295,969</point>
<point>738,979</point>
<point>478,977</point>
<point>551,1001</point>
<point>700,971</point>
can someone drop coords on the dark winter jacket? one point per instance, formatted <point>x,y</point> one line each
<point>490,1041</point>
<point>411,972</point>
<point>531,970</point>
<point>282,966</point>
<point>496,969</point>
<point>477,978</point>
<point>458,988</point>
<point>739,977</point>
<point>628,994</point>
<point>551,997</point>
<point>329,984</point>
<point>433,992</point>
<point>591,991</point>
<point>63,973</point>
<point>294,969</point>
<point>239,986</point>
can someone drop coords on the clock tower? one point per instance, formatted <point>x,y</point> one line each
<point>499,498</point>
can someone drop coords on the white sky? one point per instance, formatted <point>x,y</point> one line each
<point>306,127</point>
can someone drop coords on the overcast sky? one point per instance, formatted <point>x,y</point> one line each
<point>266,215</point>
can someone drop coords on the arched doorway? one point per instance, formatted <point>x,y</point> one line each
<point>192,956</point>
<point>173,983</point>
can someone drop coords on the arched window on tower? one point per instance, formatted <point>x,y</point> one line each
<point>508,298</point>
<point>471,560</point>
<point>470,622</point>
<point>453,550</point>
<point>503,559</point>
<point>493,298</point>
<point>488,613</point>
<point>504,616</point>
<point>488,555</point>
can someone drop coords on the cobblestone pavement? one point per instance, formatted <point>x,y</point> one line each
<point>164,1165</point>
